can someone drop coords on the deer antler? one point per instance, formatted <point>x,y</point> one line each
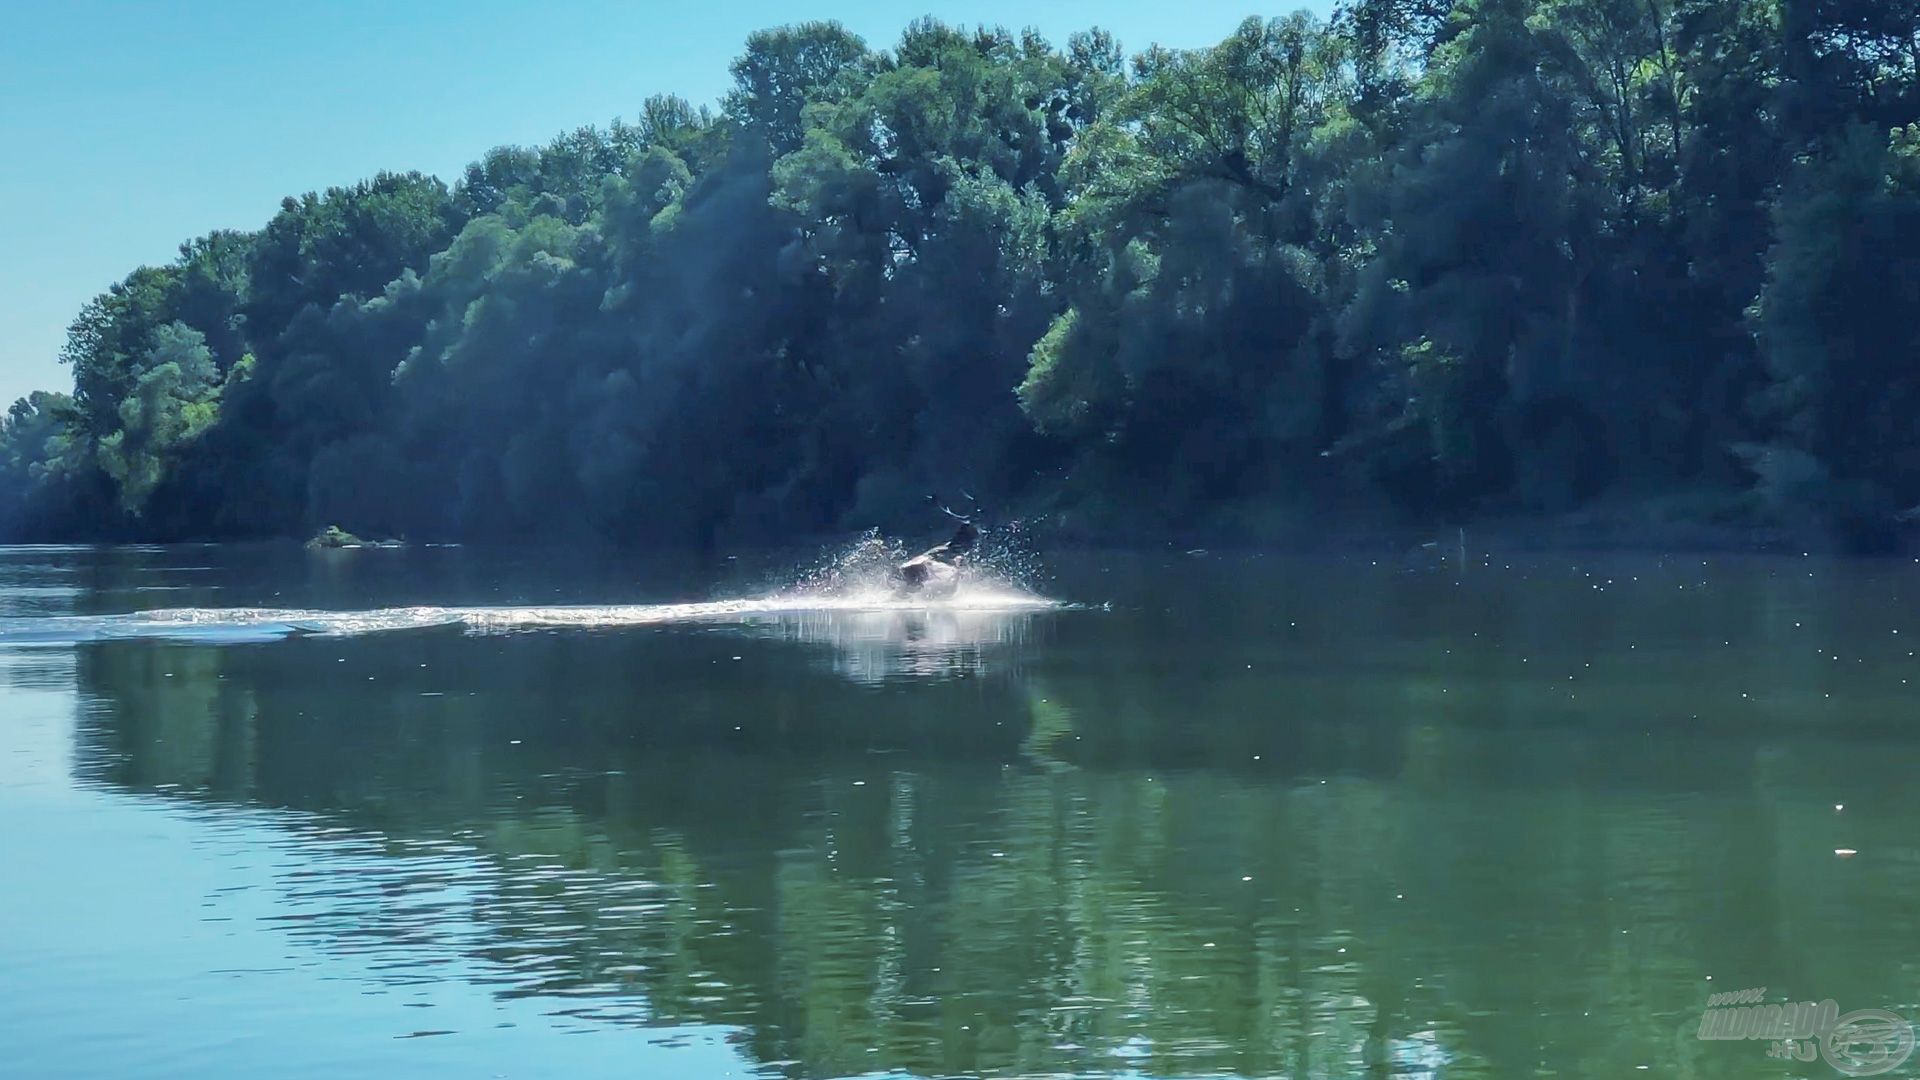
<point>938,505</point>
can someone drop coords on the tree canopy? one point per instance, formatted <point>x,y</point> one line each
<point>1423,261</point>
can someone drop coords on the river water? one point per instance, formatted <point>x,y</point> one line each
<point>452,812</point>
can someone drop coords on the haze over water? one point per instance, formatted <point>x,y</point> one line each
<point>1165,815</point>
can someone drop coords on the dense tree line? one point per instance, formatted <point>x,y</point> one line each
<point>1427,259</point>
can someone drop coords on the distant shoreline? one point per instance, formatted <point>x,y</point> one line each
<point>1328,534</point>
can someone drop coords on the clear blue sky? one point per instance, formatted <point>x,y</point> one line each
<point>130,127</point>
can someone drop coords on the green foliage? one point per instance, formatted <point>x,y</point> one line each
<point>170,405</point>
<point>1430,258</point>
<point>785,70</point>
<point>333,536</point>
<point>1846,261</point>
<point>38,460</point>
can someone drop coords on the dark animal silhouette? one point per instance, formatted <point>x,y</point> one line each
<point>936,571</point>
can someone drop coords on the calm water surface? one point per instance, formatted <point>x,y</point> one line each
<point>1220,815</point>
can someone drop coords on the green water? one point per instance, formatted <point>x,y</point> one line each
<point>1217,815</point>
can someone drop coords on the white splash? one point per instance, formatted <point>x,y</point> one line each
<point>254,624</point>
<point>853,588</point>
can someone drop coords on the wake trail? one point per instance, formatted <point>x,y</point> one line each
<point>267,624</point>
<point>854,581</point>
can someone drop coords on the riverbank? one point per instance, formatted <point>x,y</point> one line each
<point>1710,522</point>
<point>1697,521</point>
